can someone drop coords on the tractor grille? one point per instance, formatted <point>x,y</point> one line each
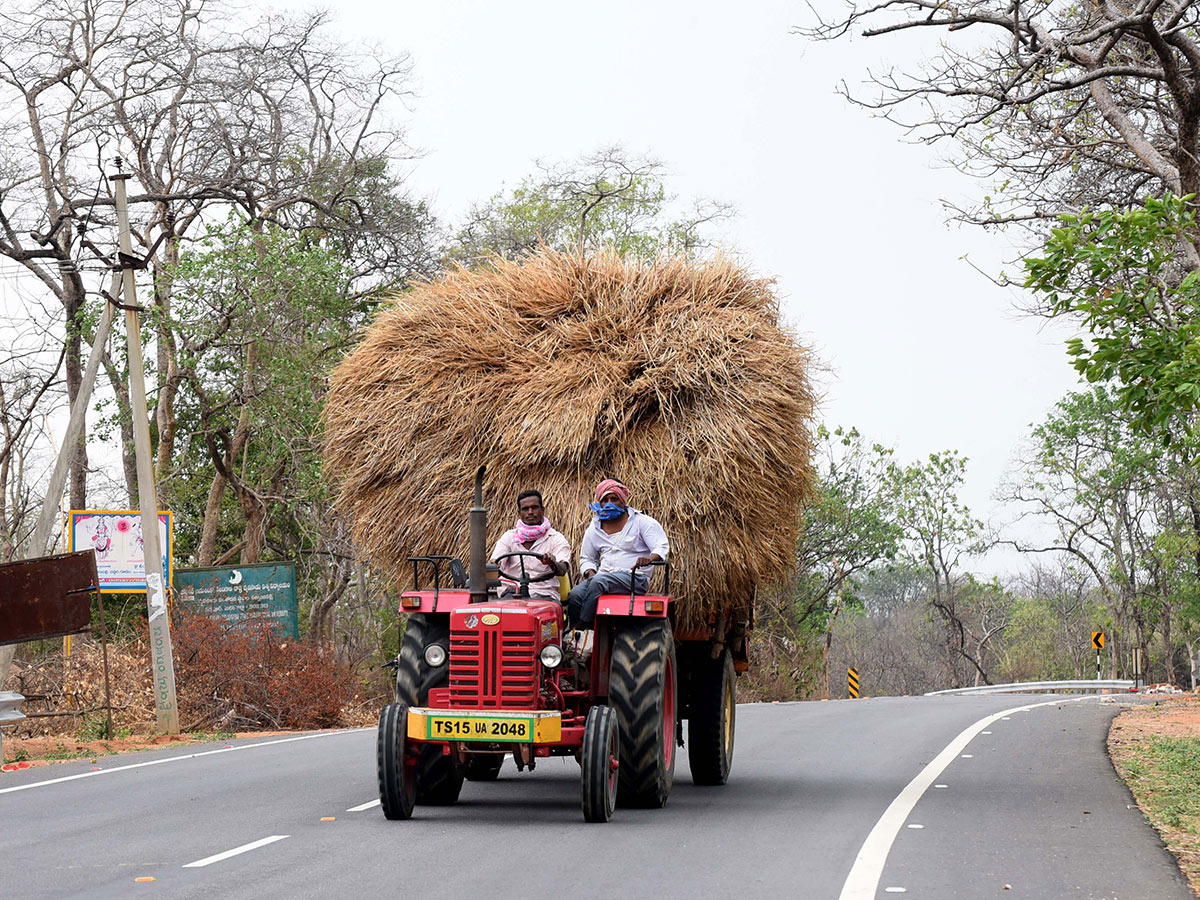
<point>493,668</point>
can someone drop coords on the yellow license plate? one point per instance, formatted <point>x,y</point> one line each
<point>479,728</point>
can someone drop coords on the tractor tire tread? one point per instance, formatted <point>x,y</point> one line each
<point>639,659</point>
<point>595,753</point>
<point>393,797</point>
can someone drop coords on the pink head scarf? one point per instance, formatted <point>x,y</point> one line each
<point>529,533</point>
<point>612,486</point>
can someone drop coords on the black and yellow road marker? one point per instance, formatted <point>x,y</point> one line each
<point>852,680</point>
<point>1097,640</point>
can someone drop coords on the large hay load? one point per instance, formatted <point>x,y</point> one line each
<point>560,370</point>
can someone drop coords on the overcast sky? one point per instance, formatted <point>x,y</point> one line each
<point>925,353</point>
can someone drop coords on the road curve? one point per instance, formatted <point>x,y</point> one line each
<point>1028,801</point>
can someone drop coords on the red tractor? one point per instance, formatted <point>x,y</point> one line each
<point>478,678</point>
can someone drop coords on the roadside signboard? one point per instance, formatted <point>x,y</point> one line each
<point>852,682</point>
<point>232,593</point>
<point>116,536</point>
<point>46,597</point>
<point>1097,640</point>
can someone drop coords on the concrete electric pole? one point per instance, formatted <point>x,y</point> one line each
<point>163,661</point>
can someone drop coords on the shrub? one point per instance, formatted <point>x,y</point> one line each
<point>245,675</point>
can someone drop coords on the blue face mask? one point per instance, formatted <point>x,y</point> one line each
<point>607,511</point>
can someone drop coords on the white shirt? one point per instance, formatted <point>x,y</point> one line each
<point>551,542</point>
<point>641,536</point>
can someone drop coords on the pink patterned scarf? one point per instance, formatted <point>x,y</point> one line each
<point>527,534</point>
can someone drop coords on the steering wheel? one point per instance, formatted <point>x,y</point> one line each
<point>524,575</point>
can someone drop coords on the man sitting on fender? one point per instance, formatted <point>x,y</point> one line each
<point>619,538</point>
<point>532,534</point>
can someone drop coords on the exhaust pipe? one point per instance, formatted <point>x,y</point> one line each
<point>477,576</point>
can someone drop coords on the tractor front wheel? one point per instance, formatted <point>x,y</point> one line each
<point>642,688</point>
<point>438,778</point>
<point>600,761</point>
<point>710,726</point>
<point>397,767</point>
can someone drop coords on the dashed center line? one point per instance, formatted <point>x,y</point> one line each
<point>253,845</point>
<point>863,881</point>
<point>368,805</point>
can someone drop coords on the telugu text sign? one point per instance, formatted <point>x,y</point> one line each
<point>116,537</point>
<point>233,593</point>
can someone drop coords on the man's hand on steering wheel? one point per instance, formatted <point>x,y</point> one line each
<point>525,576</point>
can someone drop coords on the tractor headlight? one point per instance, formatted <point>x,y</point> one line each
<point>551,656</point>
<point>435,655</point>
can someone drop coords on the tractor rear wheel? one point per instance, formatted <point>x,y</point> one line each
<point>600,761</point>
<point>642,690</point>
<point>710,726</point>
<point>438,778</point>
<point>484,767</point>
<point>396,766</point>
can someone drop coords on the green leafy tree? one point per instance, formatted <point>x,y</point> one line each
<point>605,199</point>
<point>941,532</point>
<point>1125,507</point>
<point>847,527</point>
<point>1122,275</point>
<point>262,314</point>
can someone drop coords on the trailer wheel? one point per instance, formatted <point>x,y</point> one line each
<point>396,766</point>
<point>642,690</point>
<point>484,767</point>
<point>438,778</point>
<point>711,724</point>
<point>601,755</point>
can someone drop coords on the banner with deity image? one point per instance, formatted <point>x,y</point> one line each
<point>116,537</point>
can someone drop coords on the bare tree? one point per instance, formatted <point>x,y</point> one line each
<point>1058,104</point>
<point>1069,590</point>
<point>26,389</point>
<point>265,119</point>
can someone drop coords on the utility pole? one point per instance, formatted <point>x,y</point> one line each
<point>163,660</point>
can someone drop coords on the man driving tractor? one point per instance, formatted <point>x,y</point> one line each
<point>532,534</point>
<point>619,539</point>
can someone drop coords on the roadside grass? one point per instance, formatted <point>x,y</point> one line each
<point>1156,751</point>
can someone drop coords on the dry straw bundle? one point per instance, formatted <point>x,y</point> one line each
<point>563,369</point>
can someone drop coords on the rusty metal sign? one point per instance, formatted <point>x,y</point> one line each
<point>46,597</point>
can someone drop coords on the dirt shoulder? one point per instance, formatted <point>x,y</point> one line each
<point>23,753</point>
<point>1156,751</point>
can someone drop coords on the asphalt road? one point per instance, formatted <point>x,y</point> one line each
<point>823,802</point>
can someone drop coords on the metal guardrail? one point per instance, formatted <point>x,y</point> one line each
<point>10,714</point>
<point>10,708</point>
<point>1033,687</point>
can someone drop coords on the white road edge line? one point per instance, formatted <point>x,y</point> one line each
<point>253,845</point>
<point>171,759</point>
<point>863,881</point>
<point>362,806</point>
